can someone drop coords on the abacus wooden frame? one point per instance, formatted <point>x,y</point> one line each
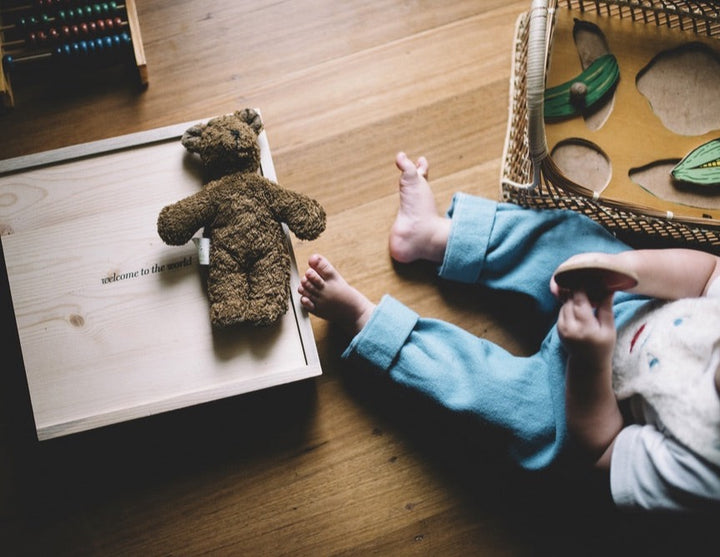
<point>7,99</point>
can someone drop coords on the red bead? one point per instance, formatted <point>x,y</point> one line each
<point>54,35</point>
<point>92,27</point>
<point>75,30</point>
<point>65,30</point>
<point>109,23</point>
<point>84,28</point>
<point>32,38</point>
<point>100,25</point>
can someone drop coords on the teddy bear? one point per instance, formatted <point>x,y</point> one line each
<point>241,212</point>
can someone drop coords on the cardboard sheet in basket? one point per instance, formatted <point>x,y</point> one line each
<point>113,323</point>
<point>617,106</point>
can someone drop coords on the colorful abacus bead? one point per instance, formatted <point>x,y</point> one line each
<point>86,12</point>
<point>32,22</point>
<point>92,46</point>
<point>86,29</point>
<point>8,63</point>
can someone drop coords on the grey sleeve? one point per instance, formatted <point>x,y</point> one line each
<point>651,471</point>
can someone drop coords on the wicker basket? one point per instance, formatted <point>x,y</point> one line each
<point>531,178</point>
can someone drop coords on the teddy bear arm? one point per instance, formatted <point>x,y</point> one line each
<point>178,222</point>
<point>304,216</point>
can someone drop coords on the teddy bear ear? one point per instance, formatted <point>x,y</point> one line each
<point>251,118</point>
<point>191,139</point>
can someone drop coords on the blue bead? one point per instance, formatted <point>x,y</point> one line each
<point>8,62</point>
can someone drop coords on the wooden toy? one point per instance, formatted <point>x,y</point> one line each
<point>650,121</point>
<point>633,136</point>
<point>595,276</point>
<point>68,34</point>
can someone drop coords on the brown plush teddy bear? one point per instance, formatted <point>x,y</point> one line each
<point>241,211</point>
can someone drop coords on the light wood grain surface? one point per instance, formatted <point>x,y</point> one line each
<point>344,464</point>
<point>114,323</point>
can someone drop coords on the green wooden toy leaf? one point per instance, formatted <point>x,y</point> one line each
<point>701,166</point>
<point>599,78</point>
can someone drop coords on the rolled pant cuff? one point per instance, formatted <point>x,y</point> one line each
<point>385,333</point>
<point>472,221</point>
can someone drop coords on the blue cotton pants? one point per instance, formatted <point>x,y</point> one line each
<point>505,247</point>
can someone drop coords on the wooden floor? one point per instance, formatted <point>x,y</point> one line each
<point>344,464</point>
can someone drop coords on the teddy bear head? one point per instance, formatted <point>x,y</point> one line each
<point>227,143</point>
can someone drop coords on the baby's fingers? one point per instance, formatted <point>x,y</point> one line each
<point>604,311</point>
<point>576,316</point>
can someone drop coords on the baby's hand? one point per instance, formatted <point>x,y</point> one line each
<point>588,332</point>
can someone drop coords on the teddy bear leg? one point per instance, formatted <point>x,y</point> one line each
<point>225,313</point>
<point>228,293</point>
<point>269,288</point>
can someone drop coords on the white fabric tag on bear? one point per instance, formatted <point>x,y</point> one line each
<point>203,247</point>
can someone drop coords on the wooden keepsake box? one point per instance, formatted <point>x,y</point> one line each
<point>113,324</point>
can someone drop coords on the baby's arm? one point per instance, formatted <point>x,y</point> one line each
<point>589,335</point>
<point>669,274</point>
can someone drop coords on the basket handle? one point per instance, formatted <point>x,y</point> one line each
<point>536,63</point>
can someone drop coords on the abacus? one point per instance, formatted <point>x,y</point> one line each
<point>67,33</point>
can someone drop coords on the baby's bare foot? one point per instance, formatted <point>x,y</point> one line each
<point>325,293</point>
<point>418,232</point>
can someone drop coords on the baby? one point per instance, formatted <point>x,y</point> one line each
<point>631,378</point>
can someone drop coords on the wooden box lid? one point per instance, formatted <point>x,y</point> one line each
<point>113,323</point>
